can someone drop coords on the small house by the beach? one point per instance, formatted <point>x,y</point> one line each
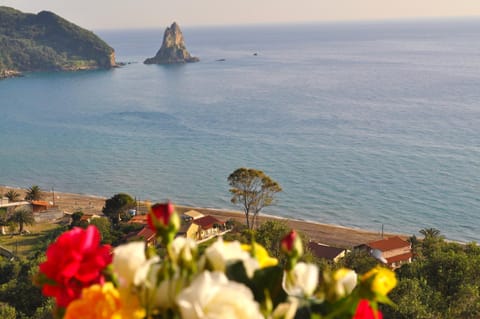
<point>39,206</point>
<point>192,215</point>
<point>326,252</point>
<point>393,251</point>
<point>147,235</point>
<point>208,226</point>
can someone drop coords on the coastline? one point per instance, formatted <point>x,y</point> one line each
<point>329,234</point>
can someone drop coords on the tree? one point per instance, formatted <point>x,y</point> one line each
<point>118,206</point>
<point>103,225</point>
<point>12,196</point>
<point>22,217</point>
<point>431,233</point>
<point>33,193</point>
<point>253,190</point>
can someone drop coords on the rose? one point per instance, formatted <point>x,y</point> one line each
<point>126,260</point>
<point>344,281</point>
<point>381,280</point>
<point>74,261</point>
<point>163,219</point>
<point>292,246</point>
<point>365,311</point>
<point>302,280</point>
<point>160,215</point>
<point>220,254</point>
<point>97,301</point>
<point>212,295</point>
<point>261,255</point>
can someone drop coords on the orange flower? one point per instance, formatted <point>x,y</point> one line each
<point>96,302</point>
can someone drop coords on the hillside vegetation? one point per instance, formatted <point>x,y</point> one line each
<point>47,42</point>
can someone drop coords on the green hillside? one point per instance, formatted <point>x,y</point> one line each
<point>47,42</point>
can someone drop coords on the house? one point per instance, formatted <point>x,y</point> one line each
<point>188,230</point>
<point>147,235</point>
<point>138,219</point>
<point>326,252</point>
<point>192,214</point>
<point>393,251</point>
<point>208,226</point>
<point>39,206</point>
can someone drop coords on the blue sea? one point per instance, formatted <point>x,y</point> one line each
<point>363,124</point>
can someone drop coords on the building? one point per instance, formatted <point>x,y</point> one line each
<point>208,226</point>
<point>393,251</point>
<point>39,206</point>
<point>326,252</point>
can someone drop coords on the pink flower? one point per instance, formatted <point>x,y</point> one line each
<point>74,261</point>
<point>365,311</point>
<point>160,215</point>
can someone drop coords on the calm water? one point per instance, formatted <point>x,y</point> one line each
<point>363,124</point>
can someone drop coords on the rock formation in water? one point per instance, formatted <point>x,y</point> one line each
<point>173,48</point>
<point>47,42</point>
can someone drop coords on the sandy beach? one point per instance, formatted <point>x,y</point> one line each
<point>333,235</point>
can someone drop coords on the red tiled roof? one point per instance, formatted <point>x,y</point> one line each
<point>146,233</point>
<point>39,203</point>
<point>323,251</point>
<point>138,219</point>
<point>389,244</point>
<point>207,222</point>
<point>403,257</point>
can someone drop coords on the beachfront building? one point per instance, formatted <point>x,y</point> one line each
<point>326,252</point>
<point>392,251</point>
<point>208,226</point>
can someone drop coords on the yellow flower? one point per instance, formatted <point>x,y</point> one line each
<point>261,255</point>
<point>383,280</point>
<point>344,281</point>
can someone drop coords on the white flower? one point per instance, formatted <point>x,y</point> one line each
<point>183,249</point>
<point>221,253</point>
<point>302,280</point>
<point>211,296</point>
<point>126,260</point>
<point>345,281</point>
<point>286,310</point>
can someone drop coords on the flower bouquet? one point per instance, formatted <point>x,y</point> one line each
<point>226,280</point>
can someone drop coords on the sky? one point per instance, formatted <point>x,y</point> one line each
<point>110,14</point>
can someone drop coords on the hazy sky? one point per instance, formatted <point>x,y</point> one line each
<point>101,14</point>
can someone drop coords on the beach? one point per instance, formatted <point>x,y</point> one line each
<point>332,235</point>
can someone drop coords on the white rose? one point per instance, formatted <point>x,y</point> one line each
<point>286,310</point>
<point>183,249</point>
<point>211,295</point>
<point>126,260</point>
<point>221,253</point>
<point>345,281</point>
<point>302,280</point>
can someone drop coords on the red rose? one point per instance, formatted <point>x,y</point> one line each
<point>291,244</point>
<point>160,215</point>
<point>365,311</point>
<point>74,261</point>
<point>287,241</point>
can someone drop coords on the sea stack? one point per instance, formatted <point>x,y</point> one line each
<point>173,48</point>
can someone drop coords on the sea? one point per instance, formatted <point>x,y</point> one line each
<point>372,124</point>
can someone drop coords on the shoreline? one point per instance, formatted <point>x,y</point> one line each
<point>329,234</point>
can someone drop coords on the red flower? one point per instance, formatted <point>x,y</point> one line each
<point>365,311</point>
<point>160,215</point>
<point>74,261</point>
<point>287,242</point>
